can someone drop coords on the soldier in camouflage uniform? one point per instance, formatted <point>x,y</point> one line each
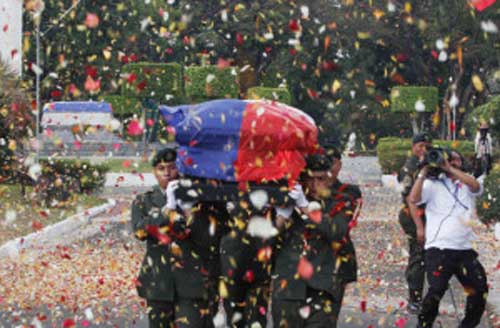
<point>246,263</point>
<point>316,259</point>
<point>150,223</point>
<point>181,269</point>
<point>415,271</point>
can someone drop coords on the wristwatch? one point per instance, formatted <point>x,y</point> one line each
<point>421,176</point>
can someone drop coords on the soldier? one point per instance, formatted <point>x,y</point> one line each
<point>150,223</point>
<point>307,289</point>
<point>348,200</point>
<point>246,269</point>
<point>414,229</point>
<point>196,265</point>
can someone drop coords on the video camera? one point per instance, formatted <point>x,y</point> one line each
<point>434,158</point>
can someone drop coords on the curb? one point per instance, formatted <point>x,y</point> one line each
<point>120,180</point>
<point>51,234</point>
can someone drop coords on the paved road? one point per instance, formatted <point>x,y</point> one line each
<point>91,280</point>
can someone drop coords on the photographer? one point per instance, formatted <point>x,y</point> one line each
<point>449,207</point>
<point>483,149</point>
<point>413,228</point>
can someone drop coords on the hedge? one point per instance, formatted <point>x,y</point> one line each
<point>124,106</point>
<point>488,204</point>
<point>392,152</point>
<point>278,94</point>
<point>88,177</point>
<point>203,83</point>
<point>489,112</point>
<point>156,81</point>
<point>403,99</point>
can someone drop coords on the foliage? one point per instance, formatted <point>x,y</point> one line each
<point>488,204</point>
<point>76,176</point>
<point>278,94</point>
<point>210,82</point>
<point>161,82</point>
<point>16,119</point>
<point>123,107</point>
<point>339,59</point>
<point>404,99</point>
<point>490,113</point>
<point>392,152</point>
<point>75,48</point>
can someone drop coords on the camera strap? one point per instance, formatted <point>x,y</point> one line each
<point>454,194</point>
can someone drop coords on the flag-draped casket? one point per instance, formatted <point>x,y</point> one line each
<point>241,140</point>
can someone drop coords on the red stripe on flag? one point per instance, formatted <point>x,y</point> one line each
<point>273,141</point>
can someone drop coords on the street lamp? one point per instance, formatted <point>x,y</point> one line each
<point>37,7</point>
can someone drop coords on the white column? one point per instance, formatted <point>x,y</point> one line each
<point>11,33</point>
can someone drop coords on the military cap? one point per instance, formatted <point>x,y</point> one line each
<point>164,155</point>
<point>421,137</point>
<point>318,162</point>
<point>332,151</point>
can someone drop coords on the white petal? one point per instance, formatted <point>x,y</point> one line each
<point>305,311</point>
<point>419,106</point>
<point>261,228</point>
<point>210,78</point>
<point>10,216</point>
<point>259,199</point>
<point>440,44</point>
<point>304,10</point>
<point>489,27</point>
<point>443,56</point>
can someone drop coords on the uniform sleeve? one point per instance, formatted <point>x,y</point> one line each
<point>333,228</point>
<point>334,224</point>
<point>141,218</point>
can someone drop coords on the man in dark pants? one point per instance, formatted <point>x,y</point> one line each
<point>180,271</point>
<point>196,265</point>
<point>415,271</point>
<point>450,202</point>
<point>246,263</point>
<point>150,223</point>
<point>348,200</point>
<point>307,289</point>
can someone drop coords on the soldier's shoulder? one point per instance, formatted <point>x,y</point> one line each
<point>144,196</point>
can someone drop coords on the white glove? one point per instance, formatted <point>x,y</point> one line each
<point>185,206</point>
<point>170,193</point>
<point>297,194</point>
<point>284,212</point>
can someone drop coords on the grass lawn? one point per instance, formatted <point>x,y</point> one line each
<point>20,215</point>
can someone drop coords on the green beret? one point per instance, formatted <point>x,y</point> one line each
<point>318,162</point>
<point>164,155</point>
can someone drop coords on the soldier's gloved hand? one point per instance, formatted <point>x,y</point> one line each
<point>170,193</point>
<point>185,206</point>
<point>298,195</point>
<point>284,212</point>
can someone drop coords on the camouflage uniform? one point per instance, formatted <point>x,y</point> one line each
<point>155,282</point>
<point>415,271</point>
<point>327,247</point>
<point>179,275</point>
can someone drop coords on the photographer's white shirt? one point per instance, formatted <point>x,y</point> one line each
<point>449,210</point>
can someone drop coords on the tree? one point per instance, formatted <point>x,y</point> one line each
<point>16,119</point>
